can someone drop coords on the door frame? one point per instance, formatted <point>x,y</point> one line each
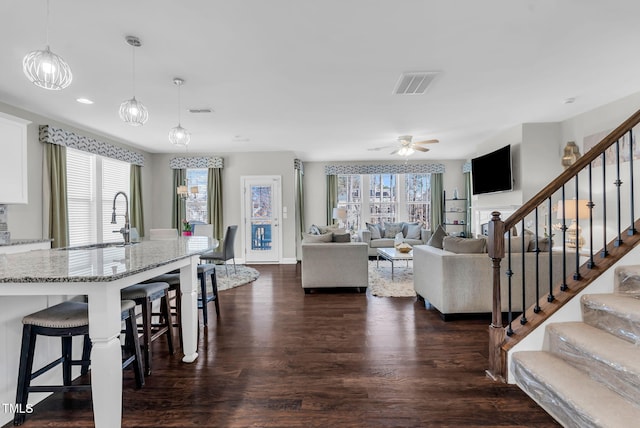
<point>277,210</point>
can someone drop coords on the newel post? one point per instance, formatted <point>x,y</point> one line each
<point>495,248</point>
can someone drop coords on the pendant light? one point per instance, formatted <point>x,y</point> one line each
<point>46,69</point>
<point>133,111</point>
<point>178,135</point>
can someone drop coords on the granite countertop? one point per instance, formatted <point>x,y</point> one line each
<point>25,241</point>
<point>100,263</point>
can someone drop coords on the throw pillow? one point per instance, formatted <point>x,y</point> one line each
<point>459,245</point>
<point>411,230</point>
<point>330,229</point>
<point>314,230</point>
<point>375,230</point>
<point>516,243</point>
<point>341,237</point>
<point>437,237</point>
<point>308,238</point>
<point>392,229</point>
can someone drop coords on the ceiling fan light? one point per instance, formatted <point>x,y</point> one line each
<point>178,136</point>
<point>47,70</point>
<point>134,112</point>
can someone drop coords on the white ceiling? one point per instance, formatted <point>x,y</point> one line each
<point>316,76</point>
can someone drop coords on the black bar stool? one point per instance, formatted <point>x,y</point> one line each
<point>66,320</point>
<point>145,294</point>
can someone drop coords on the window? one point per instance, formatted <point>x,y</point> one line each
<point>392,198</point>
<point>92,182</point>
<point>197,204</point>
<point>418,198</point>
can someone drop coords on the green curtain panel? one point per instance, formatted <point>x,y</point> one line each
<point>214,202</point>
<point>56,159</point>
<point>299,189</point>
<point>467,195</point>
<point>179,207</point>
<point>436,200</point>
<point>332,196</point>
<point>137,213</point>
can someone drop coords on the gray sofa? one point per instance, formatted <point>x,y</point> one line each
<point>374,244</point>
<point>334,264</point>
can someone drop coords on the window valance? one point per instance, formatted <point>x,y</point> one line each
<point>196,162</point>
<point>298,165</point>
<point>466,167</point>
<point>62,137</point>
<point>409,168</point>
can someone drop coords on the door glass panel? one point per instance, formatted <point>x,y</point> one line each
<point>261,217</point>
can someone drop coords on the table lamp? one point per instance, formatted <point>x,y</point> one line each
<point>340,214</point>
<point>574,231</point>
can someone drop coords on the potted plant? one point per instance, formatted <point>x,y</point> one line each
<point>186,228</point>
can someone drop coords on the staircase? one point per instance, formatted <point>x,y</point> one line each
<point>589,374</point>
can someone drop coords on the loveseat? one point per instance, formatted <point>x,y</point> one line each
<point>458,284</point>
<point>334,264</point>
<point>384,238</point>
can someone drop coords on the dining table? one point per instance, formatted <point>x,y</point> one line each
<point>99,272</point>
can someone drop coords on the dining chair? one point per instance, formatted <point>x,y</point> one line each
<point>160,234</point>
<point>226,252</point>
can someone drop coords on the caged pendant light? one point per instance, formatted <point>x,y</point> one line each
<point>133,111</point>
<point>178,135</point>
<point>46,69</point>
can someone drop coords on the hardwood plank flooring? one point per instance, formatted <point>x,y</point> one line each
<point>280,358</point>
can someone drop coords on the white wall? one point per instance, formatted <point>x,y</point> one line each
<point>316,192</point>
<point>236,165</point>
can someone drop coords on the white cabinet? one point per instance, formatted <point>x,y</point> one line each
<point>13,160</point>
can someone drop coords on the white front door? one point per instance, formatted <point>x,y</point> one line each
<point>261,213</point>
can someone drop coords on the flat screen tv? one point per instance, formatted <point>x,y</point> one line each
<point>492,172</point>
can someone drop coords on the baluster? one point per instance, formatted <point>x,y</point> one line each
<point>591,263</point>
<point>536,308</point>
<point>632,226</point>
<point>509,275</point>
<point>550,297</point>
<point>576,274</point>
<point>523,318</point>
<point>618,183</point>
<point>564,228</point>
<point>604,252</point>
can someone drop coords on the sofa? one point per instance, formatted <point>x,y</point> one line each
<point>334,264</point>
<point>382,239</point>
<point>459,284</point>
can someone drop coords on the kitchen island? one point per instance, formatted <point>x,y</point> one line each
<point>100,272</point>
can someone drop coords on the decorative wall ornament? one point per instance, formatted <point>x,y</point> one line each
<point>62,137</point>
<point>466,167</point>
<point>196,162</point>
<point>297,164</point>
<point>571,154</point>
<point>412,168</point>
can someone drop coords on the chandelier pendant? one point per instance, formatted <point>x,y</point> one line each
<point>179,136</point>
<point>133,111</point>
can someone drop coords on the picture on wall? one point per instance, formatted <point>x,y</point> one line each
<point>610,154</point>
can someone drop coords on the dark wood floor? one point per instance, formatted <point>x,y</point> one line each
<point>280,358</point>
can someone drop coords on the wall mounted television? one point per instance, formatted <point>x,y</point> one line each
<point>492,172</point>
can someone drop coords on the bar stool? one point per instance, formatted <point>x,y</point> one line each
<point>66,320</point>
<point>144,294</point>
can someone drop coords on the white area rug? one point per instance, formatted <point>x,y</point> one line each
<point>244,275</point>
<point>381,285</point>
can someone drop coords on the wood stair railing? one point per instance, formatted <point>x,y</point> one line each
<point>503,338</point>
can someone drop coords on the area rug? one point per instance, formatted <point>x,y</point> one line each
<point>381,284</point>
<point>243,275</point>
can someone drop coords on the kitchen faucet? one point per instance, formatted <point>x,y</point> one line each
<point>126,230</point>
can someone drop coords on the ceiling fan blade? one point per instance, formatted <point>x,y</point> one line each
<point>420,149</point>
<point>394,152</point>
<point>427,142</point>
<point>377,149</point>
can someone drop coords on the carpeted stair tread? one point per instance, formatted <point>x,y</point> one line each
<point>627,279</point>
<point>605,357</point>
<point>618,314</point>
<point>569,394</point>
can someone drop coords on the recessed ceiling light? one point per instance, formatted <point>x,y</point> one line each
<point>84,101</point>
<point>569,100</point>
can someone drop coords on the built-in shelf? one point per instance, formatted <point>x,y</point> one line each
<point>455,214</point>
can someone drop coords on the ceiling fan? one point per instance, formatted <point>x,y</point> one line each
<point>406,147</point>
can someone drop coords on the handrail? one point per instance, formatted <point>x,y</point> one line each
<point>499,341</point>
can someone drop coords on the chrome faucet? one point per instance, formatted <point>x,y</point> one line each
<point>126,230</point>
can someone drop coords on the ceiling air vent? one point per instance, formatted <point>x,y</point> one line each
<point>415,83</point>
<point>199,110</point>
